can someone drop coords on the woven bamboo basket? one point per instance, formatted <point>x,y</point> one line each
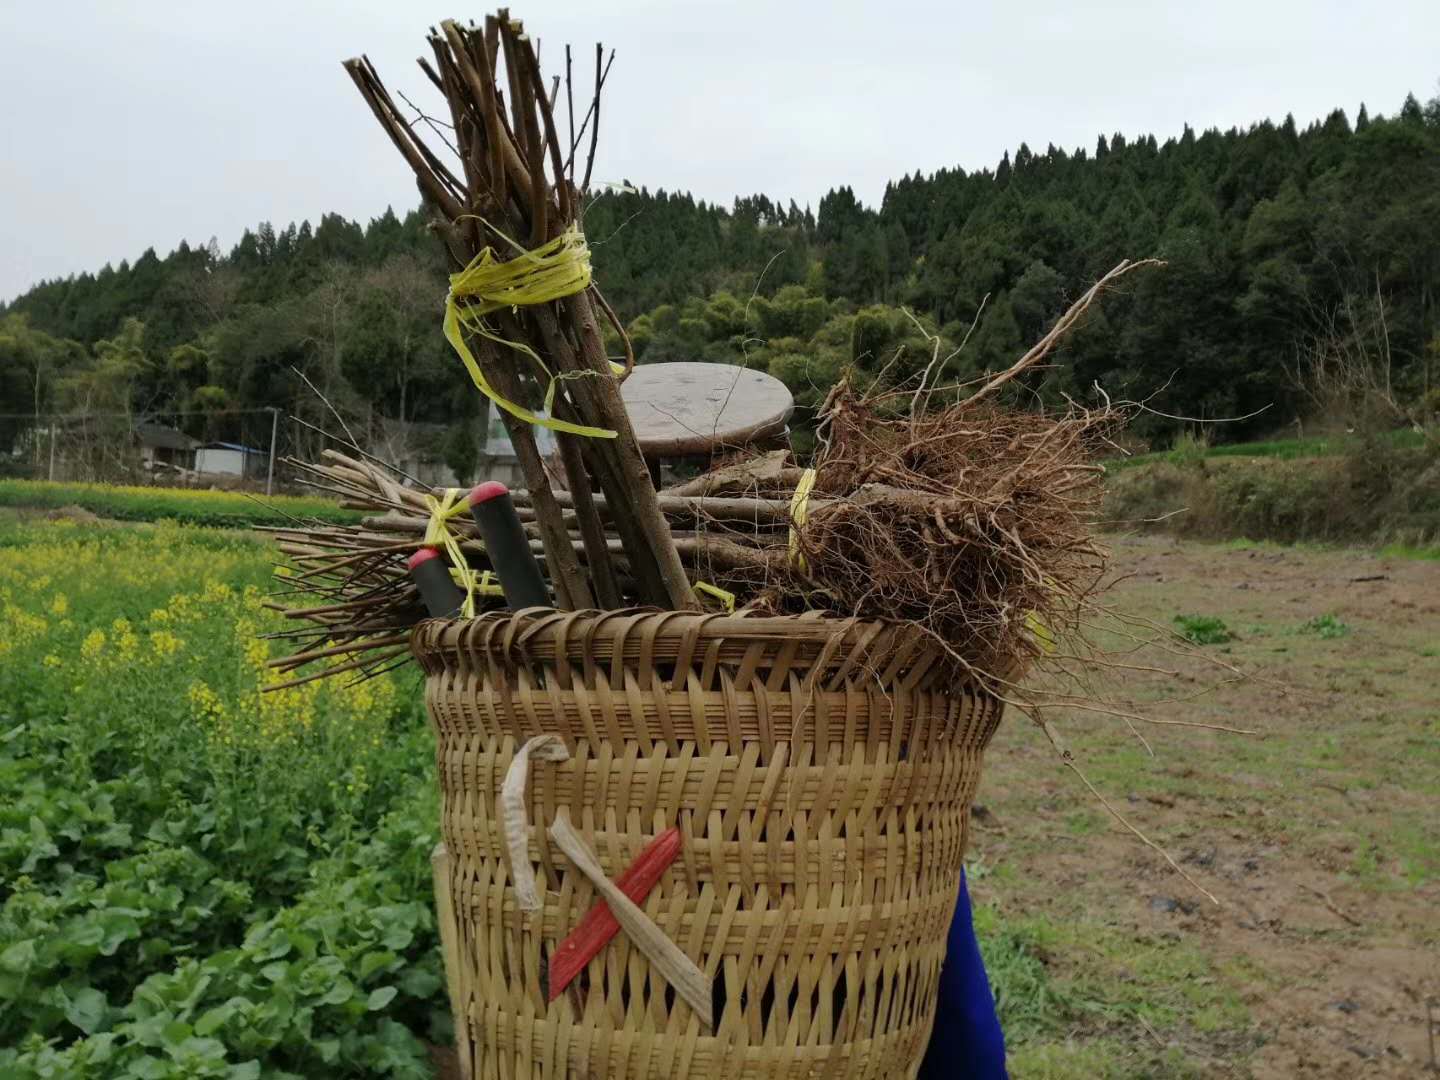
<point>820,772</point>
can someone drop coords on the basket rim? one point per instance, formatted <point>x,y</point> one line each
<point>533,625</point>
<point>838,647</point>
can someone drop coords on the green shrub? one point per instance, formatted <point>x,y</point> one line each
<point>1203,629</point>
<point>1190,448</point>
<point>1375,492</point>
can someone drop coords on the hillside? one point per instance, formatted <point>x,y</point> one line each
<point>1278,239</point>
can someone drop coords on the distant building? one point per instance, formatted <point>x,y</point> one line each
<point>231,459</point>
<point>498,460</point>
<point>163,447</point>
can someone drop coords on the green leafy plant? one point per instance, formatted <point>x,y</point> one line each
<point>1326,626</point>
<point>199,880</point>
<point>1203,629</point>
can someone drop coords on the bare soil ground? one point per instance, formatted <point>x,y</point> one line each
<point>1321,838</point>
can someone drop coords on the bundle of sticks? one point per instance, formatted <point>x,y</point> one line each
<point>503,196</point>
<point>974,521</point>
<point>349,589</point>
<point>978,528</point>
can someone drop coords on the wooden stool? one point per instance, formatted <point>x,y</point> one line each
<point>693,410</point>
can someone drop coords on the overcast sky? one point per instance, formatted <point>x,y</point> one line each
<point>133,124</point>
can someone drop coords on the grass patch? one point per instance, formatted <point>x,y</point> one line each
<point>1203,629</point>
<point>1098,1059</point>
<point>1085,823</point>
<point>1067,990</point>
<point>1028,1003</point>
<point>1325,626</point>
<point>219,509</point>
<point>1420,552</point>
<point>1427,552</point>
<point>1417,849</point>
<point>1187,449</point>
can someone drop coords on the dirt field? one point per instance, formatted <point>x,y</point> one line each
<point>1321,839</point>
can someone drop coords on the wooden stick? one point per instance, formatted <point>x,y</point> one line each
<point>505,168</point>
<point>337,669</point>
<point>552,140</point>
<point>595,127</point>
<point>404,141</point>
<point>570,113</point>
<point>587,517</point>
<point>566,578</point>
<point>295,660</point>
<point>624,476</point>
<point>522,109</point>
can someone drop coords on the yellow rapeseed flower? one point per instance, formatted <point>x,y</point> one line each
<point>182,607</point>
<point>51,660</point>
<point>93,645</point>
<point>257,652</point>
<point>165,644</point>
<point>205,701</point>
<point>216,592</point>
<point>21,626</point>
<point>60,605</point>
<point>125,640</point>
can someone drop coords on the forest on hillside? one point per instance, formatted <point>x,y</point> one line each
<point>1284,247</point>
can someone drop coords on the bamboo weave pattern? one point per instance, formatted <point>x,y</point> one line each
<point>820,771</point>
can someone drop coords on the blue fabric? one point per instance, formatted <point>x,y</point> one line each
<point>967,1043</point>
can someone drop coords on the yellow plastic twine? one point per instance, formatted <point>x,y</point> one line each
<point>438,534</point>
<point>799,510</point>
<point>1040,632</point>
<point>551,271</point>
<point>725,596</point>
<point>1043,635</point>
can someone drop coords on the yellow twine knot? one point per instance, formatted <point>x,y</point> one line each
<point>552,271</point>
<point>438,535</point>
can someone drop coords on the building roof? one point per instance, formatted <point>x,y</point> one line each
<point>162,437</point>
<point>230,446</point>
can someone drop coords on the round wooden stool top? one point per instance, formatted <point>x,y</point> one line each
<point>691,409</point>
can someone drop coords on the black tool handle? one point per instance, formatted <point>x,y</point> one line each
<point>508,546</point>
<point>432,577</point>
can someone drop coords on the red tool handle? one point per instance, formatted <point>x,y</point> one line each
<point>599,925</point>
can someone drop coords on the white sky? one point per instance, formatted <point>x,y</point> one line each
<point>125,125</point>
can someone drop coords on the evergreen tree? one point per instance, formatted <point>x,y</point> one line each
<point>1266,229</point>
